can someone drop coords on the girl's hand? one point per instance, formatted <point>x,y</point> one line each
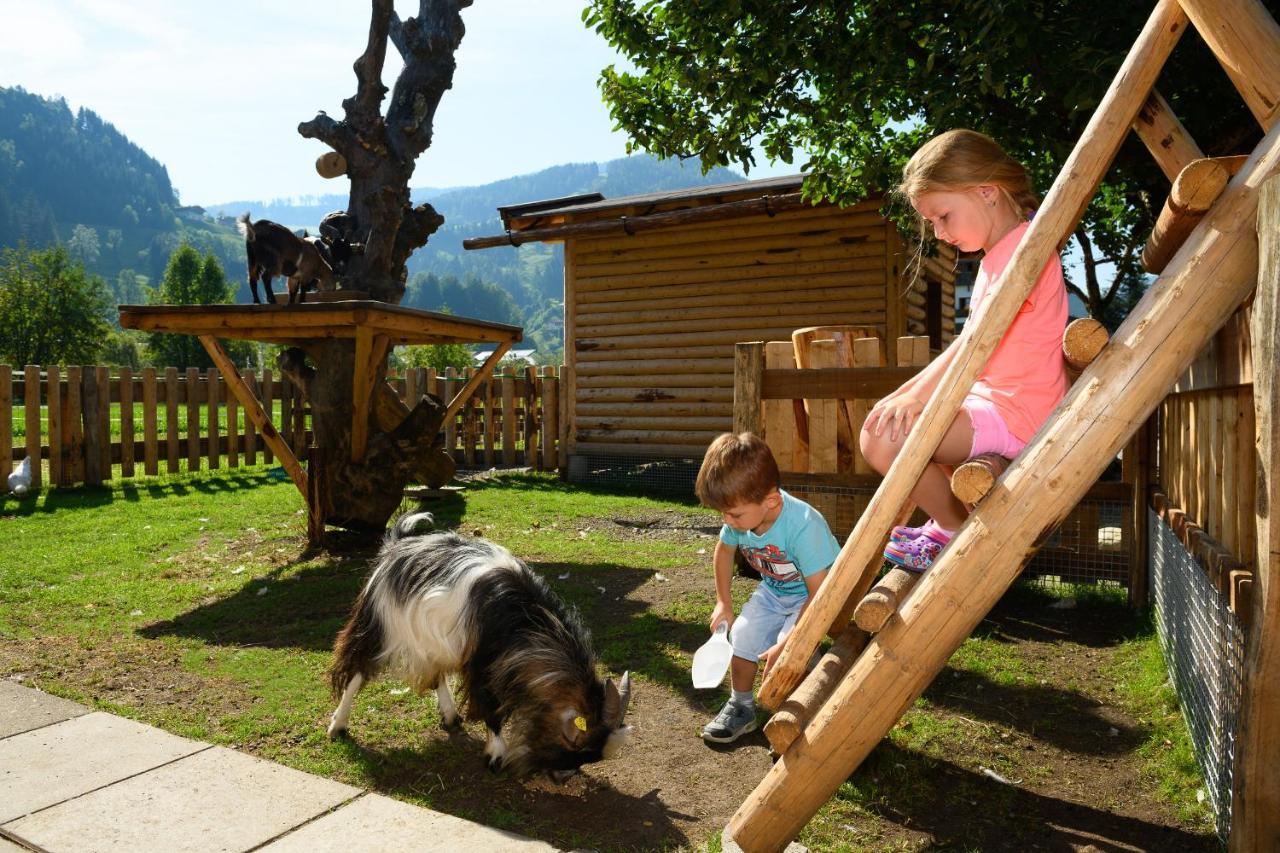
<point>897,412</point>
<point>722,613</point>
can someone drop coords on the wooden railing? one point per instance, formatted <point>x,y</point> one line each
<point>92,424</point>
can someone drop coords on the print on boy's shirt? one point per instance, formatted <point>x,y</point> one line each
<point>771,563</point>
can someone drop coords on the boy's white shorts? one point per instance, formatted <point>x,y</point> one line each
<point>765,619</point>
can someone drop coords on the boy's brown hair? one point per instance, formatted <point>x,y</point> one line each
<point>738,469</point>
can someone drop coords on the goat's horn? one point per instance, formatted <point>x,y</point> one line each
<point>624,696</point>
<point>616,699</point>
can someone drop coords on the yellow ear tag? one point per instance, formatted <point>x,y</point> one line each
<point>581,723</point>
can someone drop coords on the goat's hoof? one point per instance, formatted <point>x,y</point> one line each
<point>336,731</point>
<point>494,765</point>
<point>451,724</point>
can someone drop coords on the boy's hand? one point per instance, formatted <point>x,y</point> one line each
<point>722,613</point>
<point>770,657</point>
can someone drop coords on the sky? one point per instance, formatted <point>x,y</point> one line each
<point>215,91</point>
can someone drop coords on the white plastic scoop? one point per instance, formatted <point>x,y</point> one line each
<point>711,660</point>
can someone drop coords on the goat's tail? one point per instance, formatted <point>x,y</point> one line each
<point>412,524</point>
<point>358,646</point>
<point>245,227</point>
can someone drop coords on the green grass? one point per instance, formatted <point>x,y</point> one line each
<point>193,603</point>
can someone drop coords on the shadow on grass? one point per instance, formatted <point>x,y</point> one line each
<point>1064,718</point>
<point>967,810</point>
<point>449,775</point>
<point>88,497</point>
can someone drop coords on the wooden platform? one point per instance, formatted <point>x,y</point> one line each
<point>293,324</point>
<point>374,326</point>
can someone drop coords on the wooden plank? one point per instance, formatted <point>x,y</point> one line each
<point>191,388</point>
<point>824,418</point>
<point>778,417</point>
<point>864,274</point>
<point>104,422</point>
<point>254,412</point>
<point>233,418</point>
<point>566,404</point>
<point>212,410</point>
<point>287,395</point>
<point>31,412</point>
<point>866,354</point>
<point>251,434</point>
<point>490,420</point>
<point>508,422</point>
<point>485,371</point>
<point>53,385</point>
<point>150,449</point>
<point>450,383</point>
<point>748,368</point>
<point>834,383</point>
<point>531,423</point>
<point>1255,803</point>
<point>171,419</point>
<point>269,391</point>
<point>1053,471</point>
<point>6,420</point>
<point>128,434</point>
<point>90,396</point>
<point>550,421</point>
<point>73,427</point>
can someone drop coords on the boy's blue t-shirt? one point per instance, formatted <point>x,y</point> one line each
<point>798,544</point>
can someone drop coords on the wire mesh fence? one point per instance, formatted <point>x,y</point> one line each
<point>1203,647</point>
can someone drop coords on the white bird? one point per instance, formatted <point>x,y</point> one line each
<point>20,479</point>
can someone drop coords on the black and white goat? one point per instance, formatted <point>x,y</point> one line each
<point>441,603</point>
<point>272,250</point>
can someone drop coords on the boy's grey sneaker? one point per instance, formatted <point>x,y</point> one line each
<point>731,723</point>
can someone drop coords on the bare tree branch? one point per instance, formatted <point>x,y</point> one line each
<point>363,109</point>
<point>430,39</point>
<point>397,35</point>
<point>337,135</point>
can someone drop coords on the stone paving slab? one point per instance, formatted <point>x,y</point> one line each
<point>217,799</point>
<point>376,823</point>
<point>45,766</point>
<point>23,709</point>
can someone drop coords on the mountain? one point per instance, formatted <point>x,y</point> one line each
<point>74,179</point>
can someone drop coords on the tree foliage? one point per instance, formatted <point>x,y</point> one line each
<point>850,88</point>
<point>51,311</point>
<point>190,279</point>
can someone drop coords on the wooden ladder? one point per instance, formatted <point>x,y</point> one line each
<point>1203,283</point>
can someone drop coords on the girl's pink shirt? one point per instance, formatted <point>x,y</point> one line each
<point>1026,377</point>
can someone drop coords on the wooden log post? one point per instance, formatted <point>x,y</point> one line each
<point>1137,471</point>
<point>1208,278</point>
<point>1255,803</point>
<point>550,421</point>
<point>508,422</point>
<point>971,481</point>
<point>878,606</point>
<point>213,405</point>
<point>1082,340</point>
<point>1245,38</point>
<point>1165,137</point>
<point>1194,191</point>
<point>789,720</point>
<point>268,406</point>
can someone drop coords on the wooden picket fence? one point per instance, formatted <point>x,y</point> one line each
<point>92,424</point>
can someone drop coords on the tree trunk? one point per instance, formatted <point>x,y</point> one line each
<point>381,154</point>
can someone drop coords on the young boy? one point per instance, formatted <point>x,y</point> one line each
<point>787,541</point>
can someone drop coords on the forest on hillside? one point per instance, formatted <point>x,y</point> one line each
<point>72,179</point>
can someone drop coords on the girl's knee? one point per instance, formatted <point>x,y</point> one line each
<point>878,450</point>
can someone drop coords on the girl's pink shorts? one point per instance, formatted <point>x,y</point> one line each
<point>990,435</point>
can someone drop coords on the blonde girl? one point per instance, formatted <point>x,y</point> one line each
<point>979,199</point>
